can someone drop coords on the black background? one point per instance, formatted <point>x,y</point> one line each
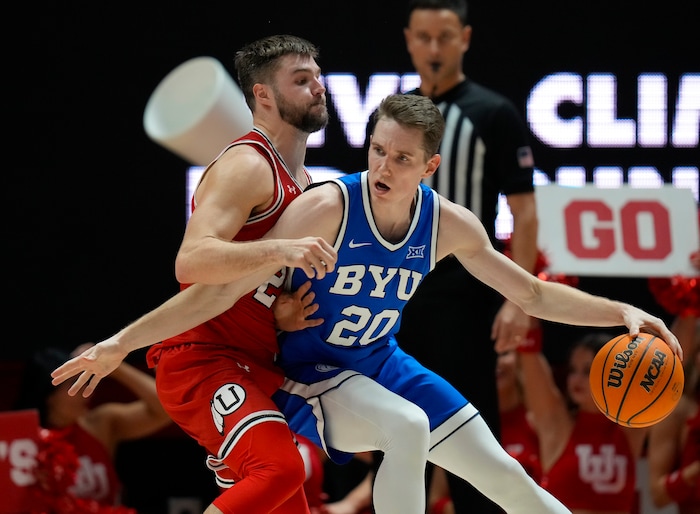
<point>95,210</point>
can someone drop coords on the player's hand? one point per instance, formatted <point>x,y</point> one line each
<point>313,255</point>
<point>91,366</point>
<point>637,320</point>
<point>510,327</point>
<point>292,310</point>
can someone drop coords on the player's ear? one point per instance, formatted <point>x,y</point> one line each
<point>432,165</point>
<point>261,93</point>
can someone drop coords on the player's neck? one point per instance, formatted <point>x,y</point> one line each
<point>289,141</point>
<point>394,218</point>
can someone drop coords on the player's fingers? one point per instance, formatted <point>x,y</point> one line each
<point>310,310</point>
<point>79,383</point>
<point>60,375</point>
<point>301,292</point>
<point>315,322</point>
<point>65,371</point>
<point>308,299</point>
<point>331,255</point>
<point>320,268</point>
<point>329,258</point>
<point>308,269</point>
<point>91,386</point>
<point>673,343</point>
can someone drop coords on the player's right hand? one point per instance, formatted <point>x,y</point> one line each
<point>91,366</point>
<point>313,255</point>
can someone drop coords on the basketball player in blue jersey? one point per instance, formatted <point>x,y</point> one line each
<point>349,387</point>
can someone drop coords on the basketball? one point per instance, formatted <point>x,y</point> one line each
<point>636,382</point>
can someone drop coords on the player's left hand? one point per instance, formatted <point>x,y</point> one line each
<point>90,366</point>
<point>638,320</point>
<point>292,310</point>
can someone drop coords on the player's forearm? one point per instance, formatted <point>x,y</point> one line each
<point>184,311</point>
<point>569,305</point>
<point>563,304</point>
<point>221,262</point>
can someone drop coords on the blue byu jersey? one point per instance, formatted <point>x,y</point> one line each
<point>361,304</point>
<point>362,299</point>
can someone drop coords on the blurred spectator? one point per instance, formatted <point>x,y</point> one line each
<point>588,462</point>
<point>673,453</point>
<point>74,429</point>
<point>517,435</point>
<point>356,497</point>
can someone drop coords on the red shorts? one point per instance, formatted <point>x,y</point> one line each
<point>216,393</point>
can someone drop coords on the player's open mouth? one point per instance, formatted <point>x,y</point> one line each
<point>382,186</point>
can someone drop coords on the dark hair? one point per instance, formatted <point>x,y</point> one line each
<point>593,341</point>
<point>257,62</point>
<point>414,111</point>
<point>459,7</point>
<point>36,383</point>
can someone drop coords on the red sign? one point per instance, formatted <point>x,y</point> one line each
<point>19,436</point>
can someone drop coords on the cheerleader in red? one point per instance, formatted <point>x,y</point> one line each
<point>588,462</point>
<point>674,443</point>
<point>75,429</point>
<point>517,435</point>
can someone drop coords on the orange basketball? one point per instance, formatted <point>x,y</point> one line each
<point>636,382</point>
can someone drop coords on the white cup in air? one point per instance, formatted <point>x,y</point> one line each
<point>196,110</point>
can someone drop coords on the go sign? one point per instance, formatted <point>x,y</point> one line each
<point>617,232</point>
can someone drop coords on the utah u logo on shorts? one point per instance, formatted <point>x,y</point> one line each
<point>227,399</point>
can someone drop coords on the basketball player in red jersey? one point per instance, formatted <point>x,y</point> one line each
<point>215,380</point>
<point>588,462</point>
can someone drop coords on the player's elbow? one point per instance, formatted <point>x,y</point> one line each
<point>185,270</point>
<point>531,301</point>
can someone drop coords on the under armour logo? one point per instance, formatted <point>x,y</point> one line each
<point>291,189</point>
<point>415,252</point>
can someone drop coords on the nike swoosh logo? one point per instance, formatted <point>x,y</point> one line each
<point>353,244</point>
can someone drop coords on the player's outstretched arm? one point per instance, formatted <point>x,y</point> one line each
<point>187,309</point>
<point>462,234</point>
